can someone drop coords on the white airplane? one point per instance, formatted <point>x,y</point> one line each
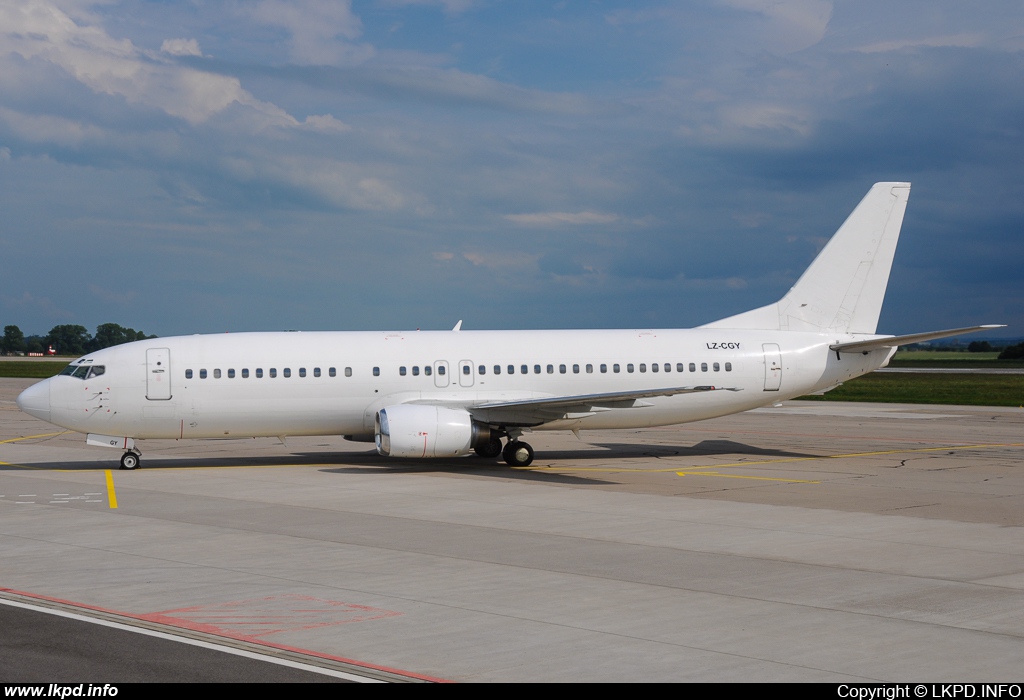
<point>450,393</point>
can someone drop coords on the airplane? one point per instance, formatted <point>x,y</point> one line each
<point>451,393</point>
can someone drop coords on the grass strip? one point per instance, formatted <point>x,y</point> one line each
<point>963,389</point>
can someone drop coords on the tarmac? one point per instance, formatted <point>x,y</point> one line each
<point>829,542</point>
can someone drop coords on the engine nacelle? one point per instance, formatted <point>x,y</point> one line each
<point>427,431</point>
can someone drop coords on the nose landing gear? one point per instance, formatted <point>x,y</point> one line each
<point>130,460</point>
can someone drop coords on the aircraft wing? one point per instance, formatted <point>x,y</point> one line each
<point>531,412</point>
<point>896,340</point>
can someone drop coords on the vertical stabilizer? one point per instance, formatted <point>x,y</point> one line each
<point>844,287</point>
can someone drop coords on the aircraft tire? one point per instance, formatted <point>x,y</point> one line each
<point>489,451</point>
<point>517,454</point>
<point>129,460</point>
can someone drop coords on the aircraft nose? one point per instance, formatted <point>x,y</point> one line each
<point>35,400</point>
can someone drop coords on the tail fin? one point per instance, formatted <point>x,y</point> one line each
<point>844,287</point>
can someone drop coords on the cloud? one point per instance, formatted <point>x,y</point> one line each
<point>181,47</point>
<point>321,31</point>
<point>28,302</point>
<point>561,218</point>
<point>40,31</point>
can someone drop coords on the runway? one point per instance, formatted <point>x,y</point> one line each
<point>811,542</point>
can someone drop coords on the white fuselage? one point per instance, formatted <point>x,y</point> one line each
<point>333,383</point>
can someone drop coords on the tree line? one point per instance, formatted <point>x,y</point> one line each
<point>68,339</point>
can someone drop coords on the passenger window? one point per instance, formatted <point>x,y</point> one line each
<point>465,370</point>
<point>231,374</point>
<point>348,372</point>
<point>245,373</point>
<point>604,369</point>
<point>615,368</point>
<point>188,374</point>
<point>629,367</point>
<point>575,369</point>
<point>703,366</point>
<point>693,367</point>
<point>332,372</point>
<point>482,369</point>
<point>316,371</point>
<point>302,371</point>
<point>376,371</point>
<point>401,371</point>
<point>536,369</point>
<point>525,369</point>
<point>680,367</point>
<point>259,373</point>
<point>551,369</point>
<point>415,370</point>
<point>287,372</point>
<point>668,367</point>
<point>511,369</point>
<point>643,367</point>
<point>441,370</point>
<point>273,372</point>
<point>716,367</point>
<point>590,369</point>
<point>216,374</point>
<point>497,369</point>
<point>428,370</point>
<point>654,366</point>
<point>561,369</point>
<point>202,374</point>
<point>728,367</point>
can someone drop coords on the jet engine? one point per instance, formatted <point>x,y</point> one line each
<point>409,430</point>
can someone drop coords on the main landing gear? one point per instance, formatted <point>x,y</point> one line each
<point>517,454</point>
<point>130,460</point>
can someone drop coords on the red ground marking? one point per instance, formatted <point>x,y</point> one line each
<point>183,624</point>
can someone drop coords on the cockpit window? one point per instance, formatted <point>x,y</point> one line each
<point>96,370</point>
<point>81,372</point>
<point>67,371</point>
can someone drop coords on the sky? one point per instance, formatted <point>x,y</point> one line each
<point>203,167</point>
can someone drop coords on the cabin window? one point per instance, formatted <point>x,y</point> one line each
<point>693,367</point>
<point>615,368</point>
<point>466,370</point>
<point>525,369</point>
<point>287,372</point>
<point>216,374</point>
<point>302,371</point>
<point>482,369</point>
<point>245,373</point>
<point>415,370</point>
<point>629,367</point>
<point>441,370</point>
<point>536,369</point>
<point>332,372</point>
<point>188,374</point>
<point>703,366</point>
<point>376,371</point>
<point>428,370</point>
<point>680,367</point>
<point>716,367</point>
<point>551,369</point>
<point>643,367</point>
<point>668,366</point>
<point>575,369</point>
<point>316,371</point>
<point>348,372</point>
<point>202,374</point>
<point>273,372</point>
<point>511,369</point>
<point>259,373</point>
<point>401,371</point>
<point>231,374</point>
<point>654,366</point>
<point>590,369</point>
<point>497,369</point>
<point>728,367</point>
<point>561,369</point>
<point>604,369</point>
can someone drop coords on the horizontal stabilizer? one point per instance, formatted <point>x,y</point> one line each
<point>897,340</point>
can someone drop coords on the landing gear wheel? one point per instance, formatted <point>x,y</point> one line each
<point>490,450</point>
<point>129,460</point>
<point>517,454</point>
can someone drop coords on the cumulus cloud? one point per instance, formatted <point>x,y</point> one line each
<point>181,47</point>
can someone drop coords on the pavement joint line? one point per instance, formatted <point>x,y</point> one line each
<point>269,652</point>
